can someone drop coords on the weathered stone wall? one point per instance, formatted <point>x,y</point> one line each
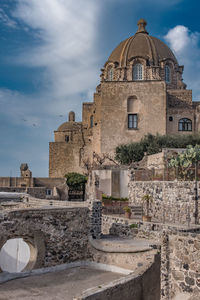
<point>16,182</point>
<point>37,192</point>
<point>95,219</point>
<point>152,102</point>
<point>173,201</point>
<point>64,158</point>
<point>144,285</point>
<point>180,248</point>
<point>156,161</point>
<point>58,235</point>
<point>159,160</point>
<point>181,264</point>
<point>36,187</point>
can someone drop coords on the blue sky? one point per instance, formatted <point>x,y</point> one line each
<point>51,54</point>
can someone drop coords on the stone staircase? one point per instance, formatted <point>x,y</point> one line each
<point>137,211</point>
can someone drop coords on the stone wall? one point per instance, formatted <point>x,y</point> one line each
<point>159,160</point>
<point>144,285</point>
<point>57,235</point>
<point>182,258</point>
<point>37,192</point>
<point>114,97</point>
<point>95,219</point>
<point>173,201</point>
<point>180,248</point>
<point>36,187</point>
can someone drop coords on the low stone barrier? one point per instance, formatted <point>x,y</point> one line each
<point>143,284</point>
<point>173,201</point>
<point>56,236</point>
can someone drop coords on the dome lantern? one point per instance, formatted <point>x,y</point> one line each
<point>141,26</point>
<point>71,116</point>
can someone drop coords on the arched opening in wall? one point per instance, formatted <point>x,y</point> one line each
<point>132,110</point>
<point>138,72</point>
<point>110,74</point>
<point>167,74</point>
<point>91,121</point>
<point>185,125</point>
<point>132,104</point>
<point>17,255</point>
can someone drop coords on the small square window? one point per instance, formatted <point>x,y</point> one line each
<point>48,192</point>
<point>170,119</point>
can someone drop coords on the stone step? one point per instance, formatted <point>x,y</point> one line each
<point>137,210</point>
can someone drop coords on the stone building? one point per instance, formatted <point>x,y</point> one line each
<point>141,91</point>
<point>39,187</point>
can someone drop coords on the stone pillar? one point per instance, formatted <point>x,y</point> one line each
<point>165,267</point>
<point>95,219</point>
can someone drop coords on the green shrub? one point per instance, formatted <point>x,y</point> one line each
<point>127,209</point>
<point>110,198</point>
<point>151,144</point>
<point>133,226</point>
<point>76,181</point>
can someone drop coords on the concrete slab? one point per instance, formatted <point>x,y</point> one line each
<point>122,245</point>
<point>66,284</point>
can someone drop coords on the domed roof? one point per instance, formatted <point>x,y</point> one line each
<point>141,45</point>
<point>68,126</point>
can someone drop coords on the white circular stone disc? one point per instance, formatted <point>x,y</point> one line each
<point>14,255</point>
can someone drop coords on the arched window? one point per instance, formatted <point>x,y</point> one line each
<point>110,74</point>
<point>138,72</point>
<point>167,74</point>
<point>132,104</point>
<point>185,125</point>
<point>91,121</point>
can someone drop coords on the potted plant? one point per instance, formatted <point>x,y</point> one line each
<point>127,211</point>
<point>147,199</point>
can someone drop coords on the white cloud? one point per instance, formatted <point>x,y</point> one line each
<point>185,45</point>
<point>66,30</point>
<point>181,39</point>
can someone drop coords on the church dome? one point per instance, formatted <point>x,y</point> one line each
<point>143,57</point>
<point>69,126</point>
<point>141,45</point>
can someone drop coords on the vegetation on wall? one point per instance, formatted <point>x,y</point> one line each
<point>76,181</point>
<point>186,162</point>
<point>151,144</point>
<point>106,198</point>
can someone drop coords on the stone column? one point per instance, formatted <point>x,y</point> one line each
<point>95,219</point>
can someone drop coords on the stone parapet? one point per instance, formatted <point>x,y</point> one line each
<point>173,201</point>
